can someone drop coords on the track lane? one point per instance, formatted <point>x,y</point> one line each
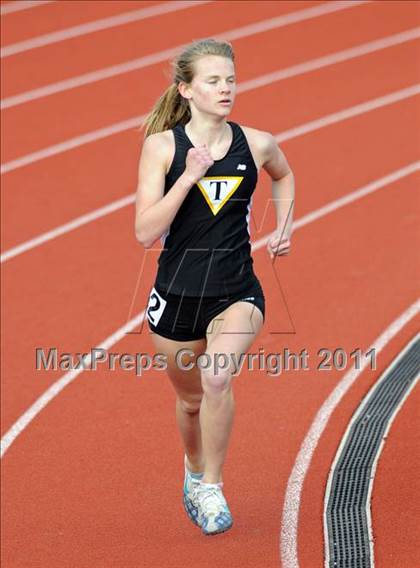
<point>133,40</point>
<point>76,111</point>
<point>97,26</point>
<point>65,487</point>
<point>11,7</point>
<point>111,163</point>
<point>19,26</point>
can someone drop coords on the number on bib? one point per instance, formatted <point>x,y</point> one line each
<point>155,307</point>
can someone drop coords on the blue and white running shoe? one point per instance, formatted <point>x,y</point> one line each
<point>191,482</point>
<point>214,515</point>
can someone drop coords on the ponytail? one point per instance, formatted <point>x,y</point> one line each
<point>169,109</point>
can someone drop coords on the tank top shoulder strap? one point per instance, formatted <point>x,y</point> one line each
<point>181,139</point>
<point>240,142</point>
<point>182,146</point>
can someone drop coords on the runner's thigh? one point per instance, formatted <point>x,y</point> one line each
<point>235,329</point>
<point>187,383</point>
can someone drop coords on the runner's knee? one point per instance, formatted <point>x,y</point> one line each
<point>191,404</point>
<point>215,381</point>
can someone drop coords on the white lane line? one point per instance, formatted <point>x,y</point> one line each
<point>257,82</point>
<point>68,227</point>
<point>349,198</point>
<point>348,433</point>
<point>152,59</point>
<point>24,420</point>
<point>356,110</point>
<point>333,58</point>
<point>72,143</point>
<point>290,517</point>
<point>62,382</point>
<point>99,25</point>
<point>11,7</point>
<point>281,137</point>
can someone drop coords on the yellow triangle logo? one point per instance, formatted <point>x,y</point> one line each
<point>218,190</point>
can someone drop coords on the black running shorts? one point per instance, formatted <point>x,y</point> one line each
<point>185,318</point>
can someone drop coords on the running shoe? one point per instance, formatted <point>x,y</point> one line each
<point>214,515</point>
<point>191,483</point>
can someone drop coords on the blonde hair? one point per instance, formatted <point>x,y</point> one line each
<point>172,108</point>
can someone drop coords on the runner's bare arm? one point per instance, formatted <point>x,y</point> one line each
<point>154,210</point>
<point>283,193</point>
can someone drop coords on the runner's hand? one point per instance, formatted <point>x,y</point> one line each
<point>278,245</point>
<point>198,162</point>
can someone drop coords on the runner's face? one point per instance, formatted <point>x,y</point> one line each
<point>213,87</point>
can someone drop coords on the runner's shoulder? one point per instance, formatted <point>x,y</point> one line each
<point>160,146</point>
<point>260,142</point>
<point>261,138</point>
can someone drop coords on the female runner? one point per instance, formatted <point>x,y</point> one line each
<point>197,174</point>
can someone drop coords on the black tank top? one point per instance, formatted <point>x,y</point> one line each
<point>206,249</point>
